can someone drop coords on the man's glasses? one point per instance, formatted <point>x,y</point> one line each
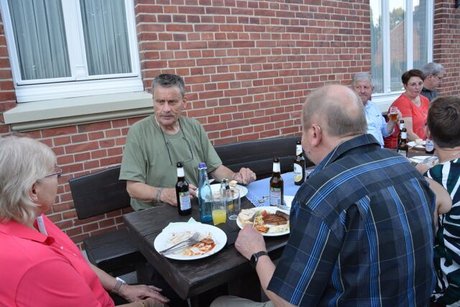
<point>181,159</point>
<point>57,172</point>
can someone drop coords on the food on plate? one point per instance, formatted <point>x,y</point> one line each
<point>233,183</point>
<point>205,245</point>
<point>418,141</point>
<point>264,221</point>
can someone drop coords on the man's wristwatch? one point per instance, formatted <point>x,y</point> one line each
<point>255,257</point>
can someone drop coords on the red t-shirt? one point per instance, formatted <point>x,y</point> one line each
<point>39,270</point>
<point>409,109</point>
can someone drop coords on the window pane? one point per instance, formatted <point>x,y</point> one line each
<point>398,45</point>
<point>420,33</point>
<point>40,38</point>
<point>106,36</point>
<point>377,45</point>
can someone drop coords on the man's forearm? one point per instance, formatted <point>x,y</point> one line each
<point>143,192</point>
<point>265,269</point>
<point>222,172</point>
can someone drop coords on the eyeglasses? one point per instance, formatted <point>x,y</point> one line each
<point>414,84</point>
<point>57,172</point>
<point>168,144</point>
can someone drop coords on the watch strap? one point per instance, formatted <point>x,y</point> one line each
<point>255,257</point>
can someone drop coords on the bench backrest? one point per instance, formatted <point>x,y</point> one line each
<point>258,155</point>
<point>99,193</point>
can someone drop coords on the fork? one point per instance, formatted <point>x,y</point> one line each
<point>190,241</point>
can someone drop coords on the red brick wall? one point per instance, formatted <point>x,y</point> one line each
<point>446,44</point>
<point>248,66</point>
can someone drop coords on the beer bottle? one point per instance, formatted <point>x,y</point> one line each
<point>204,194</point>
<point>184,205</point>
<point>401,127</point>
<point>299,165</point>
<point>276,185</point>
<point>403,147</point>
<point>429,146</point>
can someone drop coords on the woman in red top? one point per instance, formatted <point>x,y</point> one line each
<point>40,264</point>
<point>413,108</point>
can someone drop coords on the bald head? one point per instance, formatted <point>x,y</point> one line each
<point>337,109</point>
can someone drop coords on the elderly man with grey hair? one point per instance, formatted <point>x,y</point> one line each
<point>360,226</point>
<point>376,125</point>
<point>433,72</point>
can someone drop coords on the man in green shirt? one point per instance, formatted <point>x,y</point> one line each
<point>155,144</point>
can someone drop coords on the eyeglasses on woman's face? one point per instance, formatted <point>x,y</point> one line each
<point>57,172</point>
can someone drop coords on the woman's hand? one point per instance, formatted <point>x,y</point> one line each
<point>134,293</point>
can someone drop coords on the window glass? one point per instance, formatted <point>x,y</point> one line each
<point>40,39</point>
<point>400,32</point>
<point>72,48</point>
<point>398,50</point>
<point>106,41</point>
<point>420,36</point>
<point>377,45</point>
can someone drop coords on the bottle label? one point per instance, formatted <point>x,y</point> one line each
<point>402,152</point>
<point>429,147</point>
<point>403,135</point>
<point>276,167</point>
<point>184,201</point>
<point>298,150</point>
<point>297,172</point>
<point>275,197</point>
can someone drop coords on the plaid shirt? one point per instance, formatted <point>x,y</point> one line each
<point>361,232</point>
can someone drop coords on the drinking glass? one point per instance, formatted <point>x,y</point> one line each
<point>233,203</point>
<point>393,114</point>
<point>219,211</point>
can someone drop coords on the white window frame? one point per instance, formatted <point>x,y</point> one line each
<point>383,100</point>
<point>80,84</point>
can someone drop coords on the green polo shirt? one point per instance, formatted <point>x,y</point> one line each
<point>150,156</point>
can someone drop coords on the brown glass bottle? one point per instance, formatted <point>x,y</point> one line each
<point>403,147</point>
<point>401,127</point>
<point>276,185</point>
<point>184,204</point>
<point>299,165</point>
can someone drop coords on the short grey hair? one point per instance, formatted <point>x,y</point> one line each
<point>361,76</point>
<point>169,80</point>
<point>432,69</point>
<point>23,161</point>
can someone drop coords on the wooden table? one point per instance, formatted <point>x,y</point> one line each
<point>190,278</point>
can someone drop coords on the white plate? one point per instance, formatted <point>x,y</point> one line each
<point>428,160</point>
<point>269,209</point>
<point>163,240</point>
<point>413,144</point>
<point>216,190</point>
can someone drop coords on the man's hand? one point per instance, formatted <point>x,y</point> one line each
<point>245,176</point>
<point>249,241</point>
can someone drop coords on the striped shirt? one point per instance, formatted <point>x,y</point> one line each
<point>361,232</point>
<point>447,241</point>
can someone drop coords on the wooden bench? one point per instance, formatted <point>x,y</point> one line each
<point>95,194</point>
<point>258,155</point>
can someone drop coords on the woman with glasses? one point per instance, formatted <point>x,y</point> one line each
<point>40,264</point>
<point>413,108</point>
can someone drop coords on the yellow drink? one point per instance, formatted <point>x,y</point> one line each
<point>219,216</point>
